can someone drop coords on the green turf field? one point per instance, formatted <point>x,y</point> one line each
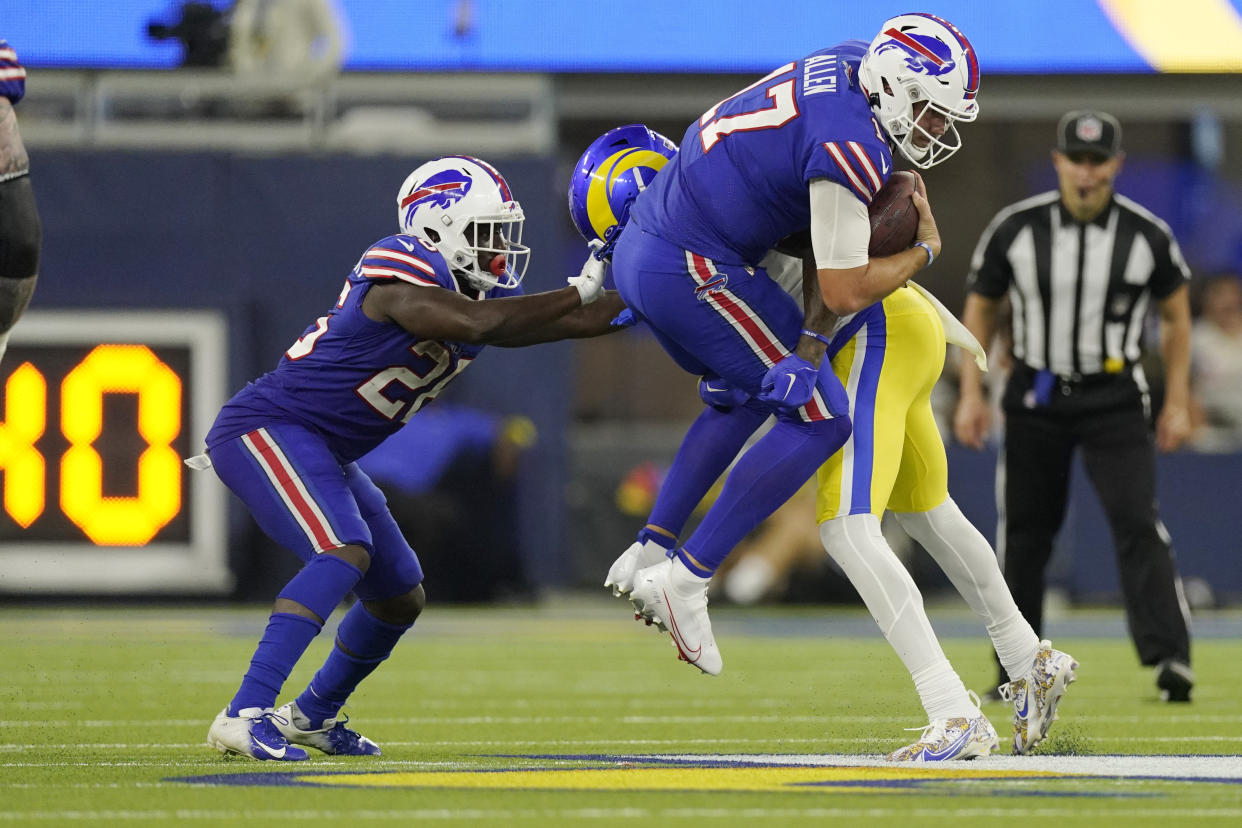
<point>570,714</point>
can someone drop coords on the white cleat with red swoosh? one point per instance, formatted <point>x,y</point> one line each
<point>675,599</point>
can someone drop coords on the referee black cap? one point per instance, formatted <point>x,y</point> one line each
<point>1090,131</point>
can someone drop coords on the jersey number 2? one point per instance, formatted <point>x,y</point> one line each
<point>784,109</point>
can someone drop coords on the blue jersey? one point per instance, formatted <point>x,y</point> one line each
<point>351,379</point>
<point>739,183</point>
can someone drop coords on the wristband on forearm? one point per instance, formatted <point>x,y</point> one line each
<point>816,335</point>
<point>931,257</point>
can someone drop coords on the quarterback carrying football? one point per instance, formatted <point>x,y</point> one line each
<point>917,77</point>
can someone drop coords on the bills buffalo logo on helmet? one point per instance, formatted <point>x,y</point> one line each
<point>442,190</point>
<point>926,55</point>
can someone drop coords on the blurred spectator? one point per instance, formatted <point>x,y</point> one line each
<point>292,41</point>
<point>1216,367</point>
<point>783,552</point>
<point>786,542</point>
<point>203,31</point>
<point>451,484</point>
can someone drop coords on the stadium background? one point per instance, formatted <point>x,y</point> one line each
<point>155,195</point>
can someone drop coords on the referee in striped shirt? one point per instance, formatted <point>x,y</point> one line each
<point>1081,267</point>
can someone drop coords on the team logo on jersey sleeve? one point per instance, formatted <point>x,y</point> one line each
<point>925,55</point>
<point>442,190</point>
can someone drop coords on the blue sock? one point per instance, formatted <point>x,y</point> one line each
<point>691,565</point>
<point>319,587</point>
<point>708,448</point>
<point>371,641</point>
<point>286,638</point>
<point>765,476</point>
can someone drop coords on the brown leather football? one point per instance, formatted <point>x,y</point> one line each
<point>894,218</point>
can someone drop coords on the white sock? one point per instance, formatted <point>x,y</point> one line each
<point>942,693</point>
<point>967,558</point>
<point>684,580</point>
<point>857,545</point>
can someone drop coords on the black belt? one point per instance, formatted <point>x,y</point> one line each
<point>1081,382</point>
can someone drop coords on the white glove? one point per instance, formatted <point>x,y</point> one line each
<point>590,281</point>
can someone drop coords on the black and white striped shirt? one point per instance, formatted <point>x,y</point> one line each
<point>1079,292</point>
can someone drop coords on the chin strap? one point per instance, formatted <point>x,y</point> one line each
<point>613,233</point>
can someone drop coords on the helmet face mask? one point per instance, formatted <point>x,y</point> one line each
<point>920,68</point>
<point>463,207</point>
<point>613,170</point>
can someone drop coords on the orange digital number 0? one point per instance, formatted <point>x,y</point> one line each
<point>124,369</point>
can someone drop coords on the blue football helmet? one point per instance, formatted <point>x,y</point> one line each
<point>609,176</point>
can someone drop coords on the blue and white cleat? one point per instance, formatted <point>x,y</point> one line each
<point>333,738</point>
<point>947,739</point>
<point>1035,696</point>
<point>252,732</point>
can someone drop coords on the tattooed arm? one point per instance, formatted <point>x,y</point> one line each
<point>13,158</point>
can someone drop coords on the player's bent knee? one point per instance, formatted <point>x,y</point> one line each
<point>400,610</point>
<point>352,554</point>
<point>321,585</point>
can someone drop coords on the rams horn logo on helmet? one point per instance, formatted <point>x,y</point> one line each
<point>926,54</point>
<point>442,189</point>
<point>610,177</point>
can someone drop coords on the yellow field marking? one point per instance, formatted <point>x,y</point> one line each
<point>672,779</point>
<point>1182,36</point>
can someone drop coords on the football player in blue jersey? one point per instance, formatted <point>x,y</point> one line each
<point>807,146</point>
<point>888,356</point>
<point>20,232</point>
<point>414,312</point>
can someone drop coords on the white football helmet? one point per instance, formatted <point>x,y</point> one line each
<point>916,58</point>
<point>463,206</point>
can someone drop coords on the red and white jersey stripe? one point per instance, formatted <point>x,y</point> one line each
<point>857,169</point>
<point>384,262</point>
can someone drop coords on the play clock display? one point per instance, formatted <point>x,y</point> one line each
<point>98,409</point>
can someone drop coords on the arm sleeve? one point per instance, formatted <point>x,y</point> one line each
<point>840,227</point>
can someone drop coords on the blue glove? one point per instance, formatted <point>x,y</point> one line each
<point>789,383</point>
<point>12,75</point>
<point>720,395</point>
<point>624,319</point>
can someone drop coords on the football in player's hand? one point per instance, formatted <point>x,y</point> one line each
<point>894,218</point>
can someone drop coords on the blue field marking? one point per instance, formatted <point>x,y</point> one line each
<point>994,776</point>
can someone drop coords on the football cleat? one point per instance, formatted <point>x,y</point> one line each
<point>252,732</point>
<point>670,596</point>
<point>639,556</point>
<point>333,737</point>
<point>1035,696</point>
<point>947,739</point>
<point>1174,679</point>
